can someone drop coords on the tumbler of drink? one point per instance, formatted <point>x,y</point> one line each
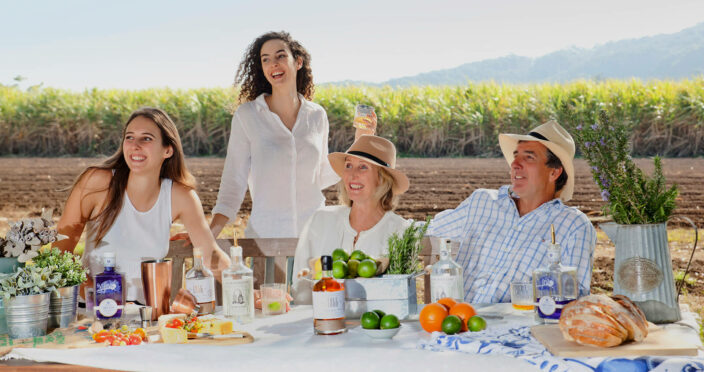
<point>522,295</point>
<point>273,298</point>
<point>363,116</point>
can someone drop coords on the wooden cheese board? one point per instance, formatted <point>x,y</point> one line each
<point>660,341</point>
<point>74,337</point>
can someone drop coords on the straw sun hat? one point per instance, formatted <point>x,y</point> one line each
<point>555,138</point>
<point>375,150</point>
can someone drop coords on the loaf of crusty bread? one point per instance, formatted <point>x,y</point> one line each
<point>603,321</point>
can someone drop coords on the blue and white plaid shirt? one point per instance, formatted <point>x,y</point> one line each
<point>497,246</point>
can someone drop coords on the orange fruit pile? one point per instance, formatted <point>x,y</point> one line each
<point>432,315</point>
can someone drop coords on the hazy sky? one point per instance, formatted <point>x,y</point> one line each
<point>140,44</point>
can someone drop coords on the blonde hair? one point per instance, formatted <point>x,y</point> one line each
<point>383,193</point>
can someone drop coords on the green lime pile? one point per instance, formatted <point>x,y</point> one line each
<point>377,319</point>
<point>350,266</point>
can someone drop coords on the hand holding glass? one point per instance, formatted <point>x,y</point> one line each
<point>274,298</point>
<point>364,117</point>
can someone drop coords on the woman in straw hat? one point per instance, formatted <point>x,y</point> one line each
<point>364,220</point>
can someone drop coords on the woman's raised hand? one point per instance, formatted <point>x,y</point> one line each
<point>370,122</point>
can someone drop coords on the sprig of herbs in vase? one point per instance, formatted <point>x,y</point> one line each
<point>632,197</point>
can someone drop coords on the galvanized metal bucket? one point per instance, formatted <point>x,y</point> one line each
<point>63,306</point>
<point>27,316</point>
<point>3,322</point>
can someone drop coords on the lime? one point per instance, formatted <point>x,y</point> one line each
<point>358,255</point>
<point>380,313</point>
<point>339,269</point>
<point>476,323</point>
<point>318,275</point>
<point>389,321</point>
<point>370,320</point>
<point>366,268</point>
<point>340,254</point>
<point>274,306</point>
<point>452,324</point>
<point>352,266</point>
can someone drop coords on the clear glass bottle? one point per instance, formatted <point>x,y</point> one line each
<point>238,289</point>
<point>554,286</point>
<point>109,293</point>
<point>446,277</point>
<point>201,283</point>
<point>328,302</point>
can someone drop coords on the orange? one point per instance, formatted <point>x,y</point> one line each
<point>431,317</point>
<point>464,311</point>
<point>447,302</point>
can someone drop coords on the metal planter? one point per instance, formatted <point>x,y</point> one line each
<point>643,269</point>
<point>63,306</point>
<point>27,316</point>
<point>393,294</point>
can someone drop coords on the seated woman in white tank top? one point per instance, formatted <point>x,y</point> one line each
<point>129,201</point>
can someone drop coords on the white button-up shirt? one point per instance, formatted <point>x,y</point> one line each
<point>285,170</point>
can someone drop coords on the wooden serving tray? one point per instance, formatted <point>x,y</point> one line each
<point>660,341</point>
<point>247,339</point>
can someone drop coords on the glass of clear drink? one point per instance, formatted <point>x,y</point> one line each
<point>522,295</point>
<point>363,116</point>
<point>273,298</point>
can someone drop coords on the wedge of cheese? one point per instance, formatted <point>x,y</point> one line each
<point>173,335</point>
<point>216,326</point>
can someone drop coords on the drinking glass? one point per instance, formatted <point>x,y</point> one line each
<point>522,295</point>
<point>362,113</point>
<point>273,298</point>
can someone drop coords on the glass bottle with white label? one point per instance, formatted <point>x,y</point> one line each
<point>446,277</point>
<point>238,289</point>
<point>554,286</point>
<point>328,302</point>
<point>201,283</point>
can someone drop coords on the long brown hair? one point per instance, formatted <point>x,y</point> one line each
<point>250,75</point>
<point>173,167</point>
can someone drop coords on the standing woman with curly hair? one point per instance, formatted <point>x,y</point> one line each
<point>278,145</point>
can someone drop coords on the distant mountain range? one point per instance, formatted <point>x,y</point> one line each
<point>668,56</point>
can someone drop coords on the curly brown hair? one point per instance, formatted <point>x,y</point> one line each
<point>250,75</point>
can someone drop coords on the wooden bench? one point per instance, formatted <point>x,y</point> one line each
<point>272,260</point>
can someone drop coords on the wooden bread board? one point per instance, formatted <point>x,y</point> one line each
<point>152,333</point>
<point>61,338</point>
<point>660,341</point>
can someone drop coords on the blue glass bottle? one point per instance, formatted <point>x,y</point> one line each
<point>109,294</point>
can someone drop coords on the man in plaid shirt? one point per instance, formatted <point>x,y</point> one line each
<point>503,233</point>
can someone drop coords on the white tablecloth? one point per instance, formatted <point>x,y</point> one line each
<point>286,342</point>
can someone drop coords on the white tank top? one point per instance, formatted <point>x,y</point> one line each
<point>134,237</point>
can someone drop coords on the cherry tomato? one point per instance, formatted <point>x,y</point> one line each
<point>101,336</point>
<point>135,340</point>
<point>141,333</point>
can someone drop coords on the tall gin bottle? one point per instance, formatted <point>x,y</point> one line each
<point>109,294</point>
<point>201,283</point>
<point>238,289</point>
<point>554,286</point>
<point>328,302</point>
<point>446,278</point>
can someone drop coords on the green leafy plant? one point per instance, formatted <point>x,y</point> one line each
<point>404,249</point>
<point>632,197</point>
<point>67,264</point>
<point>29,280</point>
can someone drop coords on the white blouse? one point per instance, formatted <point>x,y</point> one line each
<point>328,229</point>
<point>285,170</point>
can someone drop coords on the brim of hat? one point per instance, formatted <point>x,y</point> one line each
<point>401,183</point>
<point>509,142</point>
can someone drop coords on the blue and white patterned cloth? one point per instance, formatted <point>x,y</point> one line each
<point>497,246</point>
<point>518,343</point>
